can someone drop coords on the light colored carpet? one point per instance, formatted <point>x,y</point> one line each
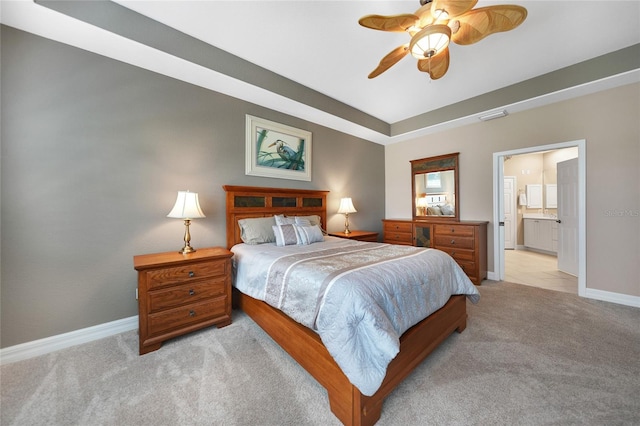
<point>529,356</point>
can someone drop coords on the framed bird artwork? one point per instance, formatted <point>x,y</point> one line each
<point>277,150</point>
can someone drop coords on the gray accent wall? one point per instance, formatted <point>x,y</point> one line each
<point>93,152</point>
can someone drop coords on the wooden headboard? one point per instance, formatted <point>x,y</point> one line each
<point>252,201</point>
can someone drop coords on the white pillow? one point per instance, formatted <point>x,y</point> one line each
<point>309,234</point>
<point>313,219</point>
<point>282,220</point>
<point>286,235</point>
<point>302,221</point>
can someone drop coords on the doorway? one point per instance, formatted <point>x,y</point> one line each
<point>500,199</point>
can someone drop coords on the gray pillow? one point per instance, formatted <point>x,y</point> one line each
<point>258,230</point>
<point>286,235</point>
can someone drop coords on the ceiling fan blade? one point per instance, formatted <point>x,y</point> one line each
<point>452,7</point>
<point>437,65</point>
<point>391,59</point>
<point>424,16</point>
<point>393,23</point>
<point>479,23</point>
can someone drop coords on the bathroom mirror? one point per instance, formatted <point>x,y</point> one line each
<point>434,184</point>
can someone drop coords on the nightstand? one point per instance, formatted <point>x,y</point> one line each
<point>180,293</point>
<point>357,235</point>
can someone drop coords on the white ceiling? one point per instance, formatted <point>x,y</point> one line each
<point>320,45</point>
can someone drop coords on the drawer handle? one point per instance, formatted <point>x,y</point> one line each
<point>192,274</point>
<point>453,241</point>
<point>453,230</point>
<point>191,292</point>
<point>192,313</point>
<point>453,253</point>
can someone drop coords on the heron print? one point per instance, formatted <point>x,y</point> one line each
<point>279,150</point>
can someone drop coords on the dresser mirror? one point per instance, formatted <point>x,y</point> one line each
<point>434,184</point>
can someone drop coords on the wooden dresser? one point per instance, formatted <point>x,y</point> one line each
<point>465,241</point>
<point>180,293</point>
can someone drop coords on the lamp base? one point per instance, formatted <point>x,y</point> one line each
<point>346,224</point>
<point>187,239</point>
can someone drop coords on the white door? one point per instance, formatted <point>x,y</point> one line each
<point>510,215</point>
<point>568,216</point>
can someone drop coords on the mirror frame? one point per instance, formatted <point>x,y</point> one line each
<point>439,163</point>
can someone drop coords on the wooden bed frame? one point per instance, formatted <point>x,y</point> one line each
<point>303,344</point>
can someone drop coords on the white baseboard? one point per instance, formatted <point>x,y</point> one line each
<point>592,293</point>
<point>607,296</point>
<point>54,343</point>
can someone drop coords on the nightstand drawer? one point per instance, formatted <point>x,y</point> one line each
<point>186,293</point>
<point>179,317</point>
<point>178,274</point>
<point>453,242</point>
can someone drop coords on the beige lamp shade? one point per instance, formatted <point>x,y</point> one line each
<point>346,206</point>
<point>187,206</point>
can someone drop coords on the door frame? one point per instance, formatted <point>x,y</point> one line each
<point>498,207</point>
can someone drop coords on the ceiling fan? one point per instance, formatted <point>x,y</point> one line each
<point>436,23</point>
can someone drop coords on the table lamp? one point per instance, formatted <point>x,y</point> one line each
<point>187,207</point>
<point>346,207</point>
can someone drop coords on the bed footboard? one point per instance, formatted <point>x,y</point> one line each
<point>345,400</point>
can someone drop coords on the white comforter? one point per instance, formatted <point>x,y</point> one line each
<point>359,297</point>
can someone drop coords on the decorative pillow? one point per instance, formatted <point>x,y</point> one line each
<point>447,210</point>
<point>313,219</point>
<point>286,235</point>
<point>257,230</point>
<point>302,221</point>
<point>309,234</point>
<point>434,211</point>
<point>282,220</point>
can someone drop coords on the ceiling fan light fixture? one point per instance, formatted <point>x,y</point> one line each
<point>440,14</point>
<point>430,41</point>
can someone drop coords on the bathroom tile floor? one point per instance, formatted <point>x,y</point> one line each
<point>537,270</point>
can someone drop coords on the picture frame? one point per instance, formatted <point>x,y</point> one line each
<point>276,150</point>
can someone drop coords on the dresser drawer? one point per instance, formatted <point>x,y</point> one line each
<point>470,269</point>
<point>398,227</point>
<point>452,241</point>
<point>398,238</point>
<point>449,229</point>
<point>183,294</point>
<point>398,232</point>
<point>183,273</point>
<point>460,254</point>
<point>189,314</point>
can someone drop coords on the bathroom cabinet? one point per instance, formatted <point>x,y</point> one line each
<point>541,234</point>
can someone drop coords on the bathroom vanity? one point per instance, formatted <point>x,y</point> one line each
<point>541,232</point>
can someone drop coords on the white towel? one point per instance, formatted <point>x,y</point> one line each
<point>522,199</point>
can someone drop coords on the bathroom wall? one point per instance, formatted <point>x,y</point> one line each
<point>535,168</point>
